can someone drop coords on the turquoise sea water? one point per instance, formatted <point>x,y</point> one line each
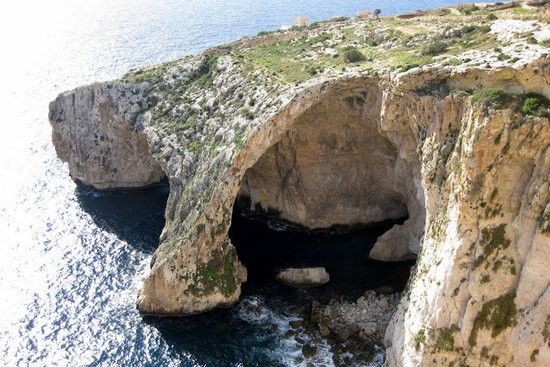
<point>73,259</point>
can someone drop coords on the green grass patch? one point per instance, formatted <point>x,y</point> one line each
<point>284,60</point>
<point>495,98</point>
<point>153,75</point>
<point>521,10</point>
<point>405,60</point>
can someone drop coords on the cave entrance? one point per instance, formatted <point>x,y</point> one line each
<point>323,195</point>
<point>266,245</point>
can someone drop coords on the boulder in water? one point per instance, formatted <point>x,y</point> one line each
<point>308,351</point>
<point>303,277</point>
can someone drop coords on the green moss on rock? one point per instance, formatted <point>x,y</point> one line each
<point>420,339</point>
<point>496,315</point>
<point>445,340</point>
<point>217,274</point>
<point>492,240</point>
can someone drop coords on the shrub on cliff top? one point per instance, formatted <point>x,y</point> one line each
<point>339,19</point>
<point>352,54</point>
<point>468,9</point>
<point>434,48</point>
<point>534,105</point>
<point>495,98</point>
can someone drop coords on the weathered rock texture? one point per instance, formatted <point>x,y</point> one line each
<point>474,298</point>
<point>104,146</point>
<point>303,277</point>
<point>365,319</point>
<point>343,148</point>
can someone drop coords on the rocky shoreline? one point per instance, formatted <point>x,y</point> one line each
<point>352,331</point>
<point>442,119</point>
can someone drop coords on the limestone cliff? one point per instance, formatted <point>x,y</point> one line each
<point>105,147</point>
<point>449,128</point>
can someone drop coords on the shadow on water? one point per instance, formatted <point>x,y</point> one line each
<point>134,216</point>
<point>266,246</point>
<point>221,338</point>
<point>255,331</point>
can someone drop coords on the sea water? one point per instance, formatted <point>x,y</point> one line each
<point>73,259</point>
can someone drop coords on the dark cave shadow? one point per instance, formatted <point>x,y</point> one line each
<point>134,216</point>
<point>265,246</point>
<point>222,338</point>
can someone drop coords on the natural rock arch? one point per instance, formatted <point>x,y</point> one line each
<point>478,175</point>
<point>334,166</point>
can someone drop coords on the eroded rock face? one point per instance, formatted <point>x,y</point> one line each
<point>97,131</point>
<point>332,167</point>
<point>336,166</point>
<point>303,277</point>
<point>473,181</point>
<point>469,300</point>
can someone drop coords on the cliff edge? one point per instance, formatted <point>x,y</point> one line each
<point>442,117</point>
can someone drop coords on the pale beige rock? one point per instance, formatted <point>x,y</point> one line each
<point>303,277</point>
<point>345,149</point>
<point>103,144</point>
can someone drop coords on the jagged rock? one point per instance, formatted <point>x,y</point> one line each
<point>382,302</point>
<point>308,351</point>
<point>376,141</point>
<point>303,277</point>
<point>370,328</point>
<point>296,324</point>
<point>366,318</point>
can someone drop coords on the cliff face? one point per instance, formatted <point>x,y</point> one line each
<point>343,147</point>
<point>478,295</point>
<point>104,146</point>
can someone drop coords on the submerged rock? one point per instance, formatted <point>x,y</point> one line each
<point>303,277</point>
<point>308,351</point>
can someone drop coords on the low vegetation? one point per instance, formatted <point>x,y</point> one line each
<point>495,98</point>
<point>530,104</point>
<point>433,48</point>
<point>496,315</point>
<point>468,9</point>
<point>352,54</point>
<point>492,241</point>
<point>393,43</point>
<point>534,105</point>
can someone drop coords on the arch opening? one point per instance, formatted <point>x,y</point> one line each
<point>325,193</point>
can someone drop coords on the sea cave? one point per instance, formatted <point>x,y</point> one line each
<point>325,193</point>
